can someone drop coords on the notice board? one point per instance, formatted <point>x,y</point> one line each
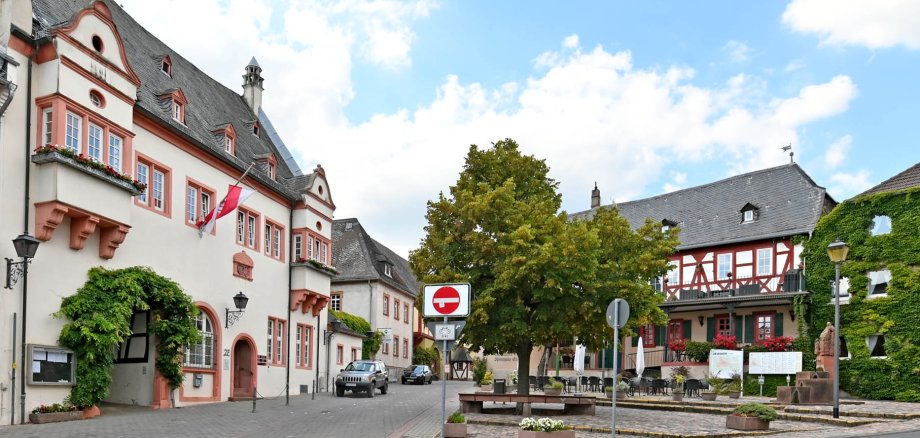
<point>787,362</point>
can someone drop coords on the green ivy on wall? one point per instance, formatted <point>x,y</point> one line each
<point>896,316</point>
<point>370,345</point>
<point>99,313</point>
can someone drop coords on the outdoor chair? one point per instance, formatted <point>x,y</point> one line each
<point>542,381</point>
<point>691,387</point>
<point>532,381</point>
<point>659,387</point>
<point>572,384</point>
<point>644,385</point>
<point>608,381</point>
<point>593,383</point>
<point>584,383</point>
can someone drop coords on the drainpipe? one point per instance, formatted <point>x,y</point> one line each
<point>25,227</point>
<point>318,327</point>
<point>372,318</point>
<point>287,366</point>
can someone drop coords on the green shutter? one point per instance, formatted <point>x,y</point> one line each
<point>737,327</point>
<point>749,328</point>
<point>710,329</point>
<point>687,327</point>
<point>778,320</point>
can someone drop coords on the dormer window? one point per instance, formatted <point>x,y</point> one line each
<point>166,66</point>
<point>271,171</point>
<point>255,129</point>
<point>667,224</point>
<point>749,213</point>
<point>228,144</point>
<point>387,270</point>
<point>177,112</point>
<point>177,102</point>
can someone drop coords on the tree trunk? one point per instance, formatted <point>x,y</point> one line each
<point>524,348</point>
<point>541,368</point>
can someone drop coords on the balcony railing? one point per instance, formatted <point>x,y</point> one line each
<point>792,280</point>
<point>653,358</point>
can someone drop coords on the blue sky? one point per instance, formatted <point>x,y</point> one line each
<point>642,97</point>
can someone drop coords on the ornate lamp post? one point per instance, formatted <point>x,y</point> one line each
<point>837,251</point>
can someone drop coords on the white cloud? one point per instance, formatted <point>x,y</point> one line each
<point>794,65</point>
<point>737,51</point>
<point>592,114</point>
<point>846,185</point>
<point>837,151</point>
<point>877,24</point>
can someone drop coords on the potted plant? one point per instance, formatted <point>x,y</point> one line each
<point>751,416</point>
<point>545,428</point>
<point>486,384</point>
<point>716,387</point>
<point>455,426</point>
<point>734,387</point>
<point>677,394</point>
<point>54,413</point>
<point>554,388</point>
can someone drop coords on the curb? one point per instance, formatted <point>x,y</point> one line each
<point>636,432</point>
<point>718,410</point>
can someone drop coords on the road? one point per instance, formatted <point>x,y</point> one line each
<point>407,410</point>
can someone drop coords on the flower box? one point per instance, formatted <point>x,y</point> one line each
<point>454,430</point>
<point>738,422</point>
<point>557,434</point>
<point>56,157</point>
<point>55,417</point>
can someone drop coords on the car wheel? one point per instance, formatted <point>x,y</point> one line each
<point>339,392</point>
<point>403,381</point>
<point>429,380</point>
<point>372,390</point>
<point>386,387</point>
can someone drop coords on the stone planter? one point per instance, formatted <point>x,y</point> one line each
<point>677,396</point>
<point>454,430</point>
<point>557,434</point>
<point>738,422</point>
<point>90,412</point>
<point>486,388</point>
<point>709,396</point>
<point>734,394</point>
<point>551,391</point>
<point>55,417</point>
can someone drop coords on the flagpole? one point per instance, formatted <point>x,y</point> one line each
<point>220,206</point>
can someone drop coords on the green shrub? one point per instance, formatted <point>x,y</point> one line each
<point>371,344</point>
<point>456,417</point>
<point>698,351</point>
<point>480,367</point>
<point>758,410</point>
<point>555,384</point>
<point>751,387</point>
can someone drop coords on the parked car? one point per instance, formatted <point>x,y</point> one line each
<point>362,376</point>
<point>420,374</point>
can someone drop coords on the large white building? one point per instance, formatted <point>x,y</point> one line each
<point>83,76</point>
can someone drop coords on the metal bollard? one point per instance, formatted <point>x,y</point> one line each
<point>255,393</point>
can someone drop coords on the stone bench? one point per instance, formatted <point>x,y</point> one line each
<point>571,404</point>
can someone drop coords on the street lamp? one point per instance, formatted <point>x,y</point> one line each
<point>25,246</point>
<point>239,300</point>
<point>837,252</point>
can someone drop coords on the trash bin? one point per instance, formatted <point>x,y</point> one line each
<point>499,386</point>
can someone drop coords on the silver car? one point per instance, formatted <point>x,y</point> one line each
<point>363,376</point>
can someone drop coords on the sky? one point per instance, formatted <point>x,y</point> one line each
<point>641,98</point>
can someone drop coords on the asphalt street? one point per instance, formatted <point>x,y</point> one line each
<point>395,414</point>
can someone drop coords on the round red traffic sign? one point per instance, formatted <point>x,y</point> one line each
<point>446,300</point>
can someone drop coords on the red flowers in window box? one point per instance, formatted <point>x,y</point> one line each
<point>723,342</point>
<point>90,163</point>
<point>781,343</point>
<point>677,345</point>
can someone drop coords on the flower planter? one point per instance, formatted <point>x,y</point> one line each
<point>557,434</point>
<point>738,422</point>
<point>677,396</point>
<point>90,412</point>
<point>709,396</point>
<point>551,391</point>
<point>734,394</point>
<point>56,157</point>
<point>55,417</point>
<point>454,430</point>
<point>486,388</point>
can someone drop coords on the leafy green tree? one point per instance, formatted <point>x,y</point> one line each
<point>536,276</point>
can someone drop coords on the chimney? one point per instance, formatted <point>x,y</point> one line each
<point>252,86</point>
<point>595,197</point>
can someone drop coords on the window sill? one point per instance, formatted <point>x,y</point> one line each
<point>843,300</point>
<point>55,157</point>
<point>872,297</point>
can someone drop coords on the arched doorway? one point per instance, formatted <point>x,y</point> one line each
<point>243,371</point>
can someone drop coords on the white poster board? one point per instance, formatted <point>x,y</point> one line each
<point>787,362</point>
<point>724,363</point>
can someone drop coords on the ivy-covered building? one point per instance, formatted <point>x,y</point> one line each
<point>879,288</point>
<point>113,149</point>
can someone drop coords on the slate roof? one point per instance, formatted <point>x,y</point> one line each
<point>358,257</point>
<point>210,106</point>
<point>907,179</point>
<point>788,203</point>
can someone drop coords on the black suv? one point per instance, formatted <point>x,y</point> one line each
<point>420,374</point>
<point>362,376</point>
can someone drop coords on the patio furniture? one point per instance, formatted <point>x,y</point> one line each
<point>572,384</point>
<point>608,381</point>
<point>593,383</point>
<point>691,387</point>
<point>532,381</point>
<point>659,387</point>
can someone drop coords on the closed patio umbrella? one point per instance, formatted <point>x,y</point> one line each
<point>640,360</point>
<point>579,361</point>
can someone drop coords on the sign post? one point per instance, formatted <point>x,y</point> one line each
<point>446,300</point>
<point>617,315</point>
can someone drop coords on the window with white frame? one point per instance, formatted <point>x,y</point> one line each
<point>335,302</point>
<point>339,354</point>
<point>94,142</point>
<point>765,261</point>
<point>298,247</point>
<point>881,225</point>
<point>725,265</point>
<point>143,172</point>
<point>156,177</point>
<point>47,126</point>
<point>275,341</point>
<point>201,354</point>
<point>844,287</point>
<point>405,348</point>
<point>304,334</point>
<point>115,148</point>
<point>878,282</point>
<point>876,345</point>
<point>748,216</point>
<point>228,144</point>
<point>673,272</point>
<point>72,133</point>
<point>177,112</point>
<point>247,228</point>
<point>387,269</point>
<point>197,202</point>
<point>272,239</point>
<point>159,187</point>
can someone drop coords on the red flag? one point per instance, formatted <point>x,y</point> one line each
<point>236,195</point>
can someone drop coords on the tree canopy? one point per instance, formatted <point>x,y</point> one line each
<point>536,275</point>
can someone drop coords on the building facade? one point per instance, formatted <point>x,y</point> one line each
<point>738,267</point>
<point>376,284</point>
<point>114,149</point>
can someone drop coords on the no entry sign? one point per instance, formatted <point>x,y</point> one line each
<point>447,300</point>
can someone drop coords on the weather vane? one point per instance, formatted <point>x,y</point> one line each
<point>788,147</point>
